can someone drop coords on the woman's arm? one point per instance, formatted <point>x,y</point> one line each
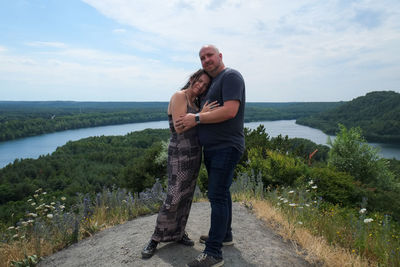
<point>178,108</point>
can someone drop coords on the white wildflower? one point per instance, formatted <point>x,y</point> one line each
<point>314,187</point>
<point>62,207</point>
<point>300,223</point>
<point>29,200</point>
<point>311,182</point>
<point>285,201</point>
<point>52,203</point>
<point>363,210</point>
<point>30,221</point>
<point>33,204</point>
<point>35,195</point>
<point>15,236</point>
<point>11,228</point>
<point>24,223</point>
<point>291,192</point>
<point>44,193</point>
<point>32,214</point>
<point>63,198</point>
<point>368,220</point>
<point>293,204</point>
<point>50,216</point>
<point>307,205</point>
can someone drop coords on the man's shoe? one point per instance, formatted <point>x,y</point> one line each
<point>186,240</point>
<point>204,238</point>
<point>204,260</point>
<point>150,249</point>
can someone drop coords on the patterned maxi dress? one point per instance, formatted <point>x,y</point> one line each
<point>184,159</point>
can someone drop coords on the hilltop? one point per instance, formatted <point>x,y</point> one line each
<point>377,114</point>
<point>255,244</point>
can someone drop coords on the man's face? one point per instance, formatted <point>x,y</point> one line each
<point>211,60</point>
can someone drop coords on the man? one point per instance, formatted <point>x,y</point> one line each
<point>221,135</point>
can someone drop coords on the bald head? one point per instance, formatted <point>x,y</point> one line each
<point>211,60</point>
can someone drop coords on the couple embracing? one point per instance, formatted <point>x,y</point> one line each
<point>207,113</point>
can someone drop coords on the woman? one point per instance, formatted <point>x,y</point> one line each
<point>184,159</point>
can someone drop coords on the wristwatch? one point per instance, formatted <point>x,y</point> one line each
<point>197,118</point>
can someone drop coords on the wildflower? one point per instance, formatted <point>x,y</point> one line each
<point>30,221</point>
<point>35,195</point>
<point>24,223</point>
<point>353,251</point>
<point>11,228</point>
<point>32,214</point>
<point>44,193</point>
<point>62,207</point>
<point>368,220</point>
<point>314,187</point>
<point>293,204</point>
<point>33,204</point>
<point>291,192</point>
<point>50,216</point>
<point>363,210</point>
<point>285,201</point>
<point>15,236</point>
<point>307,205</point>
<point>29,200</point>
<point>300,223</point>
<point>52,203</point>
<point>63,198</point>
<point>311,182</point>
<point>307,190</point>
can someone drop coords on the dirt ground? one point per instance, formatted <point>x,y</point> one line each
<point>255,244</point>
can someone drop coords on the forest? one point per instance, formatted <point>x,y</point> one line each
<point>376,113</point>
<point>135,161</point>
<point>23,119</point>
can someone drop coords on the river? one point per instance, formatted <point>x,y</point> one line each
<point>33,147</point>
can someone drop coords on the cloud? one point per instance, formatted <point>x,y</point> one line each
<point>119,31</point>
<point>3,49</point>
<point>46,44</point>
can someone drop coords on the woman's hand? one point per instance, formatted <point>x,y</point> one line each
<point>209,106</point>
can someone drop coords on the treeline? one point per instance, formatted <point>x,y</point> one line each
<point>376,113</point>
<point>136,160</point>
<point>24,119</point>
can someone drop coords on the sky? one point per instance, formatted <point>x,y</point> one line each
<point>141,50</point>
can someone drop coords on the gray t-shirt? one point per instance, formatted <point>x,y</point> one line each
<point>228,85</point>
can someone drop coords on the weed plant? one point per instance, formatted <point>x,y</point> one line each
<point>49,227</point>
<point>372,236</point>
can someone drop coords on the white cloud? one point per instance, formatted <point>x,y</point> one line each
<point>2,49</point>
<point>46,44</point>
<point>119,31</point>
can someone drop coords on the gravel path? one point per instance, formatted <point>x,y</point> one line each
<point>255,244</point>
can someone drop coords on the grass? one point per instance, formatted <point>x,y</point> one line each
<point>323,233</point>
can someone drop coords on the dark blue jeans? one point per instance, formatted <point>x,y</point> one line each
<point>220,165</point>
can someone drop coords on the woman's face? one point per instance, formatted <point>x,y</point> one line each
<point>201,85</point>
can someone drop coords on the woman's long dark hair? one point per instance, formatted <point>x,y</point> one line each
<point>194,78</point>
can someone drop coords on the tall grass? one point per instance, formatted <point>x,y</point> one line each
<point>345,236</point>
<point>48,227</point>
<point>328,234</point>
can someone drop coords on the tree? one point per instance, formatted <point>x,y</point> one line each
<point>351,153</point>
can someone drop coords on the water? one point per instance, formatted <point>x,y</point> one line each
<point>33,147</point>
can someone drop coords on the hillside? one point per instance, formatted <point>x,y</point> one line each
<point>376,113</point>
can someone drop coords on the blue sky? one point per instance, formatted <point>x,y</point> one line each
<point>141,50</point>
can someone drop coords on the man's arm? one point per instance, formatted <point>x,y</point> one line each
<point>223,113</point>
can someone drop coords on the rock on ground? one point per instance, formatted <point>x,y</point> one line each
<point>255,244</point>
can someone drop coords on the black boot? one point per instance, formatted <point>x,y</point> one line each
<point>186,240</point>
<point>150,249</point>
